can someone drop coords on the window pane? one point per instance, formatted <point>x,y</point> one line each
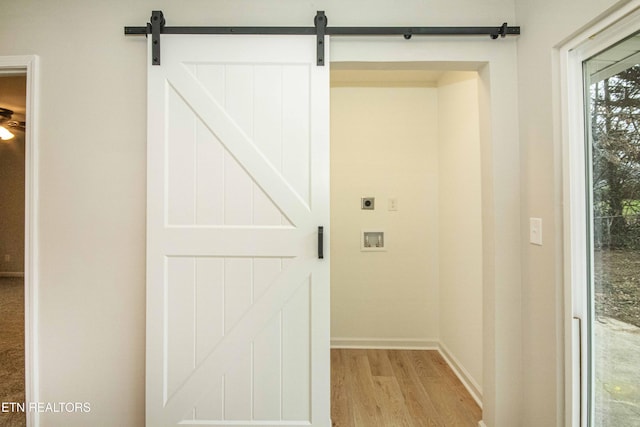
<point>613,117</point>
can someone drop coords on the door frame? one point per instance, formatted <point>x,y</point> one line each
<point>609,28</point>
<point>28,64</point>
<point>500,157</point>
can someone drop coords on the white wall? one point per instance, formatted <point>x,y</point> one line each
<point>545,25</point>
<point>92,180</point>
<point>420,145</point>
<point>384,143</point>
<point>460,223</point>
<point>12,205</point>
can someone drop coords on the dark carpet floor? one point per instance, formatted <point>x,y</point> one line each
<point>12,349</point>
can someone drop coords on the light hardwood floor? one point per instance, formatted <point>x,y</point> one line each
<point>388,388</point>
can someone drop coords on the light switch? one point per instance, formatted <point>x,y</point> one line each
<point>535,231</point>
<point>393,204</point>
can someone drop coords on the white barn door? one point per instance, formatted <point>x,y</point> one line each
<point>238,183</point>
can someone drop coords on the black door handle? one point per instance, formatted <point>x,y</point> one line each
<point>320,242</point>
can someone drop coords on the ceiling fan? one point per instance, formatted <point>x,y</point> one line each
<point>7,124</point>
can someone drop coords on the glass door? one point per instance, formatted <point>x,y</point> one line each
<point>612,117</point>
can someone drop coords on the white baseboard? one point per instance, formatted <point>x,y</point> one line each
<point>481,424</point>
<point>385,343</point>
<point>11,274</point>
<point>463,375</point>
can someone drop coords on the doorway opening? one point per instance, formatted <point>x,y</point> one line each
<point>18,259</point>
<point>12,243</point>
<point>407,134</point>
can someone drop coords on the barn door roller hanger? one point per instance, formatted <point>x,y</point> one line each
<point>320,29</point>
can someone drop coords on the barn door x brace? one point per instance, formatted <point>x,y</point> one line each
<point>320,29</point>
